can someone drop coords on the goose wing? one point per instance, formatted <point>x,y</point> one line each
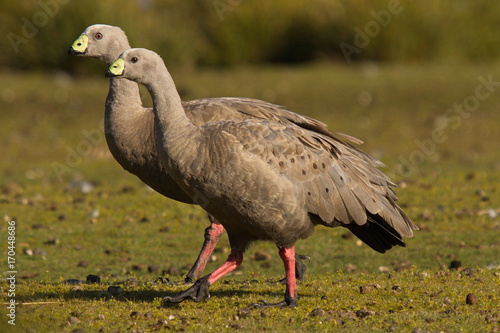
<point>340,184</point>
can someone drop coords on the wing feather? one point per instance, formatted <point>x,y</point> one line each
<point>340,183</point>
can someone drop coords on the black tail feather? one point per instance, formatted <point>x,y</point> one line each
<point>377,234</point>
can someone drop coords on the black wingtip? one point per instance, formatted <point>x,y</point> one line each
<point>377,234</point>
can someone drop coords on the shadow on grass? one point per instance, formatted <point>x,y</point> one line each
<point>245,291</point>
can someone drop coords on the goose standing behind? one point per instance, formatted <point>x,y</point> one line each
<point>264,180</point>
<point>129,125</point>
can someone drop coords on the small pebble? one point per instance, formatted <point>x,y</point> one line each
<point>468,271</point>
<point>153,268</point>
<point>159,325</point>
<point>403,266</point>
<point>172,271</point>
<point>83,263</point>
<point>364,313</point>
<point>426,215</point>
<point>455,264</point>
<point>266,264</point>
<point>318,312</point>
<point>261,255</point>
<point>491,319</point>
<point>52,241</point>
<point>115,290</point>
<point>347,235</point>
<point>135,314</point>
<point>148,315</point>
<point>384,269</point>
<point>127,189</point>
<point>470,299</point>
<point>40,252</point>
<point>365,289</point>
<point>73,281</point>
<point>131,282</point>
<point>93,278</point>
<point>350,268</point>
<point>73,320</point>
<point>244,312</point>
<point>78,200</point>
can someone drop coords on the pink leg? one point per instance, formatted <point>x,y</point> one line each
<point>200,289</point>
<point>212,236</point>
<point>288,257</point>
<point>233,261</point>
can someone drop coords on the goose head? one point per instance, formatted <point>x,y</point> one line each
<point>137,65</point>
<point>101,41</point>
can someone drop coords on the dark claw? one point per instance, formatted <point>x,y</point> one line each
<point>300,267</point>
<point>263,305</point>
<point>188,280</point>
<point>197,292</point>
<point>291,303</point>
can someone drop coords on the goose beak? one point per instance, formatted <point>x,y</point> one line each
<point>116,69</point>
<point>79,46</point>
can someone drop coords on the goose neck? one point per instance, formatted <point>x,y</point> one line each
<point>122,94</point>
<point>168,109</point>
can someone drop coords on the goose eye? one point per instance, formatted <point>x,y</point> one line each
<point>98,36</point>
<point>134,60</point>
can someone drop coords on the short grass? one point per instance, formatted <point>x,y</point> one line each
<point>78,213</point>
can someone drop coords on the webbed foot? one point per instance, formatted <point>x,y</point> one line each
<point>197,292</point>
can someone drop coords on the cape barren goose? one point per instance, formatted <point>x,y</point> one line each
<point>264,180</point>
<point>129,125</point>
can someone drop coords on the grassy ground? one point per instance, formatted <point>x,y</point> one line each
<point>78,213</point>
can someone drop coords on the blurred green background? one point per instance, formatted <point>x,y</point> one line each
<point>35,34</point>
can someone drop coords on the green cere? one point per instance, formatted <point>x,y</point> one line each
<point>117,67</point>
<point>81,43</point>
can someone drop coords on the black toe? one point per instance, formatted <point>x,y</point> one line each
<point>197,292</point>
